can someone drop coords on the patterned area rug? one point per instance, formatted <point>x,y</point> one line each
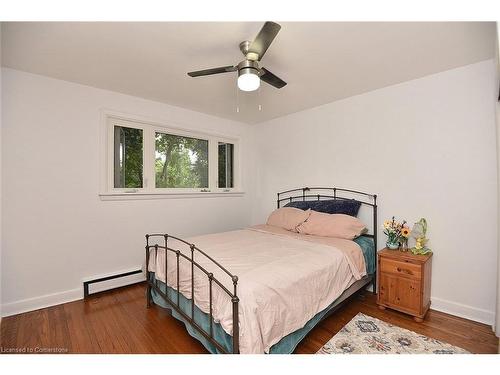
<point>367,335</point>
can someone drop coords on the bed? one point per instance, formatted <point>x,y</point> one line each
<point>260,289</point>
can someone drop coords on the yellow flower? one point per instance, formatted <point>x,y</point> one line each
<point>387,224</point>
<point>405,232</point>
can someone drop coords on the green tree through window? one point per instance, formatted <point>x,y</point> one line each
<point>180,162</point>
<point>128,155</point>
<point>225,165</point>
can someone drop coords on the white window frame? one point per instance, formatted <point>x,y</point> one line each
<point>149,189</point>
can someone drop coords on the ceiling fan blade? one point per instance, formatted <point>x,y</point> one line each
<point>264,38</point>
<point>207,72</point>
<point>271,79</point>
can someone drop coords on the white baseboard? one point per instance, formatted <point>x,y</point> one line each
<point>54,299</point>
<point>463,311</point>
<point>41,302</point>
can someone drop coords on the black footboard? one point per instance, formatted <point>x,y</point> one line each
<point>175,303</point>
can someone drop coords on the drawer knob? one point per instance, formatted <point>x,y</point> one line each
<point>404,270</point>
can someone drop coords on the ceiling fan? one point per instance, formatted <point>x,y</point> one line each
<point>249,72</point>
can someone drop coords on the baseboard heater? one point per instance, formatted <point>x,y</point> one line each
<point>86,284</point>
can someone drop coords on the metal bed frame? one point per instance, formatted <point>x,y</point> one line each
<point>303,194</point>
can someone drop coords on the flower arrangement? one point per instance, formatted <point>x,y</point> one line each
<point>397,233</point>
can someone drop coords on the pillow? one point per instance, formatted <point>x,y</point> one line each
<point>329,206</point>
<point>332,225</point>
<point>288,218</point>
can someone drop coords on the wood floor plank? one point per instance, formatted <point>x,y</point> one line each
<point>119,322</point>
<point>58,330</point>
<point>151,319</point>
<point>82,337</point>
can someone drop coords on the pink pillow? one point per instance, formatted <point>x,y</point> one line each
<point>288,218</point>
<point>332,225</point>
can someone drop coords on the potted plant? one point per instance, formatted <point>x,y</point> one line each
<point>397,233</point>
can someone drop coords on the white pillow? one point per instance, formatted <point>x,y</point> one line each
<point>288,218</point>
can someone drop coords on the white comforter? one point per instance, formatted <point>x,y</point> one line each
<point>284,279</point>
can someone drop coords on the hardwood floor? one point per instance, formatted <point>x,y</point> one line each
<point>118,322</point>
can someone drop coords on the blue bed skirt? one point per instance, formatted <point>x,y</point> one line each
<point>285,346</point>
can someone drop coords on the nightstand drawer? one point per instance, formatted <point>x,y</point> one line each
<point>401,268</point>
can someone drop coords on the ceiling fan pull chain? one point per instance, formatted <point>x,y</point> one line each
<point>237,100</point>
<point>258,99</point>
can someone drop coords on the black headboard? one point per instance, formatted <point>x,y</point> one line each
<point>322,193</point>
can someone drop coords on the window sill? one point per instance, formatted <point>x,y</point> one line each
<point>120,196</point>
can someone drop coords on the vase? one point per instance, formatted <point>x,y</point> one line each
<point>392,245</point>
<point>404,245</point>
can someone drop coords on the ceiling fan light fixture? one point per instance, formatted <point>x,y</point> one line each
<point>248,79</point>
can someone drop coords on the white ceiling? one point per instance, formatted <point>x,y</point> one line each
<point>322,62</point>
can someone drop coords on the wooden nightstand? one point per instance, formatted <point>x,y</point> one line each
<point>404,282</point>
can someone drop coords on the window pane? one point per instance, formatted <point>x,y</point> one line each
<point>128,162</point>
<point>181,162</point>
<point>226,158</point>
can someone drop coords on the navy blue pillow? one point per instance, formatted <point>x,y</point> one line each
<point>330,206</point>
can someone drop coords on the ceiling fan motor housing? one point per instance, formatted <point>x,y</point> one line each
<point>245,50</point>
<point>248,67</point>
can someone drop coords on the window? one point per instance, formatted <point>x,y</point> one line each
<point>181,162</point>
<point>128,161</point>
<point>149,158</point>
<point>226,157</point>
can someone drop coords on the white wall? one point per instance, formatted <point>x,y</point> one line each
<point>497,311</point>
<point>1,214</point>
<point>428,149</point>
<point>56,230</point>
<point>497,86</point>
